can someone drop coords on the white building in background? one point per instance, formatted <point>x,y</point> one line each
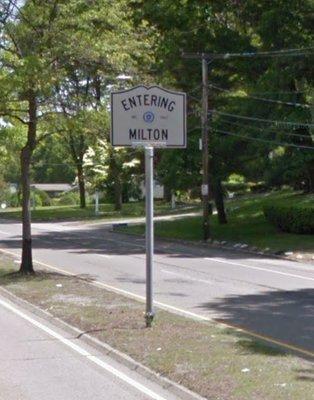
<point>53,188</point>
<point>159,191</point>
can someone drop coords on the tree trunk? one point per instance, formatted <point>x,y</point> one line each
<point>26,156</point>
<point>311,177</point>
<point>167,193</point>
<point>219,201</point>
<point>81,183</point>
<point>117,195</point>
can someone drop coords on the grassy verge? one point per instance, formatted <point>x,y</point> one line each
<point>216,362</point>
<point>246,224</point>
<point>64,213</point>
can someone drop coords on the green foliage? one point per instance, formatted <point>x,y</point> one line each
<point>236,187</point>
<point>236,178</point>
<point>67,199</point>
<point>51,162</point>
<point>235,26</point>
<point>106,166</point>
<point>41,197</point>
<point>11,140</point>
<point>246,224</point>
<point>7,197</point>
<point>14,200</point>
<point>294,218</point>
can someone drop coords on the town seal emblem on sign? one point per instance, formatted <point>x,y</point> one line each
<point>149,115</point>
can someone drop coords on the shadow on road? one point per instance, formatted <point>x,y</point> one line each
<point>101,240</point>
<point>286,316</point>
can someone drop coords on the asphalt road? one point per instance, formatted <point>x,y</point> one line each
<point>267,296</point>
<point>39,361</point>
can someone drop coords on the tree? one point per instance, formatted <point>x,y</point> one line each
<point>28,69</point>
<point>231,27</point>
<point>38,43</point>
<point>51,162</point>
<point>112,169</point>
<point>80,124</point>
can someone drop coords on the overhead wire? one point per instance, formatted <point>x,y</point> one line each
<point>264,129</point>
<point>269,121</point>
<point>288,103</point>
<point>270,53</point>
<point>263,140</point>
<point>279,92</point>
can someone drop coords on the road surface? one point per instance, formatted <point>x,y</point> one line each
<point>267,296</point>
<point>39,361</point>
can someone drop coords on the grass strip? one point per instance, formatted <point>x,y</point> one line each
<point>246,224</point>
<point>106,212</point>
<point>208,358</point>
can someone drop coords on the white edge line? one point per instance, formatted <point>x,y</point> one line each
<point>176,310</point>
<point>258,268</point>
<point>83,352</point>
<point>103,255</point>
<point>139,297</point>
<point>121,291</point>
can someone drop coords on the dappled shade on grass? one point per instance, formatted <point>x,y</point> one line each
<point>246,224</point>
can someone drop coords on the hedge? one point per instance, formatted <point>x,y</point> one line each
<point>291,218</point>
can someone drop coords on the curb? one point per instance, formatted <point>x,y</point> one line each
<point>237,247</point>
<point>167,384</point>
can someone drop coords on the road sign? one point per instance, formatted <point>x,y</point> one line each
<point>204,190</point>
<point>149,116</point>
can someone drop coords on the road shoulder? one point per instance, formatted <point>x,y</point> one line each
<point>205,357</point>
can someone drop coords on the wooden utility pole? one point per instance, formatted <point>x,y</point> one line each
<point>205,149</point>
<point>206,59</point>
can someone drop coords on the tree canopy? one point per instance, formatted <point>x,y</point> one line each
<point>60,59</point>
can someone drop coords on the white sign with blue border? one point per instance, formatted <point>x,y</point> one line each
<point>150,116</point>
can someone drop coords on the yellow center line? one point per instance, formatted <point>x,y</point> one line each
<point>177,310</point>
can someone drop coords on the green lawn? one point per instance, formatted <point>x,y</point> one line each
<point>246,224</point>
<point>56,213</point>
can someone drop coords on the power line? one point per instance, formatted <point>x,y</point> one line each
<point>276,53</point>
<point>193,97</point>
<point>265,129</point>
<point>296,52</point>
<point>287,103</point>
<point>263,140</point>
<point>194,89</point>
<point>282,92</point>
<point>269,121</point>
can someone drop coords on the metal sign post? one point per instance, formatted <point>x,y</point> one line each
<point>205,150</point>
<point>149,233</point>
<point>148,117</point>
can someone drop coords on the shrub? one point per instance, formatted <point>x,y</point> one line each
<point>14,200</point>
<point>236,186</point>
<point>298,218</point>
<point>41,198</point>
<point>6,196</point>
<point>69,199</point>
<point>236,178</point>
